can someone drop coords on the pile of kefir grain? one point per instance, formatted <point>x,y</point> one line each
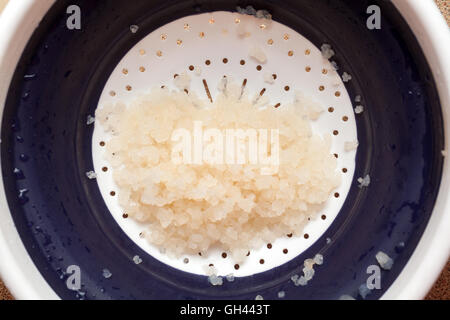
<point>190,203</point>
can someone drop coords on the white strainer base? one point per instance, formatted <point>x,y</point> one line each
<point>297,64</point>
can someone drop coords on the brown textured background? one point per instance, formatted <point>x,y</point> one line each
<point>441,289</point>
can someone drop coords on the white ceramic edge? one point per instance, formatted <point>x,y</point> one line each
<point>25,281</point>
<point>433,250</point>
<point>17,22</point>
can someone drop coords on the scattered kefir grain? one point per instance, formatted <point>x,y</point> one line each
<point>308,271</point>
<point>137,260</point>
<point>346,77</point>
<point>358,98</point>
<point>308,263</point>
<point>346,297</point>
<point>327,51</point>
<point>22,193</point>
<point>189,208</point>
<point>90,120</point>
<point>215,280</point>
<point>350,145</point>
<point>257,54</point>
<point>261,19</point>
<point>334,65</point>
<point>106,274</point>
<point>263,14</point>
<point>268,78</point>
<point>260,14</point>
<point>364,182</point>
<point>308,274</point>
<point>302,281</point>
<point>281,294</point>
<point>328,240</point>
<point>230,277</point>
<point>313,109</point>
<point>134,28</point>
<point>259,297</point>
<point>359,109</point>
<point>182,82</point>
<point>318,259</point>
<point>297,280</point>
<point>91,175</point>
<point>18,173</point>
<point>249,10</point>
<point>384,260</point>
<point>364,291</point>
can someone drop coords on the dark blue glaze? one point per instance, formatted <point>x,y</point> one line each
<point>62,218</point>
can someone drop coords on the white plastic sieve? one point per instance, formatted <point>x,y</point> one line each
<point>218,44</point>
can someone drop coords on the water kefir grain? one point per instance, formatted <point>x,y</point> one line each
<point>189,208</point>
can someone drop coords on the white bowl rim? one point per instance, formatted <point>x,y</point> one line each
<point>21,276</point>
<point>433,250</point>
